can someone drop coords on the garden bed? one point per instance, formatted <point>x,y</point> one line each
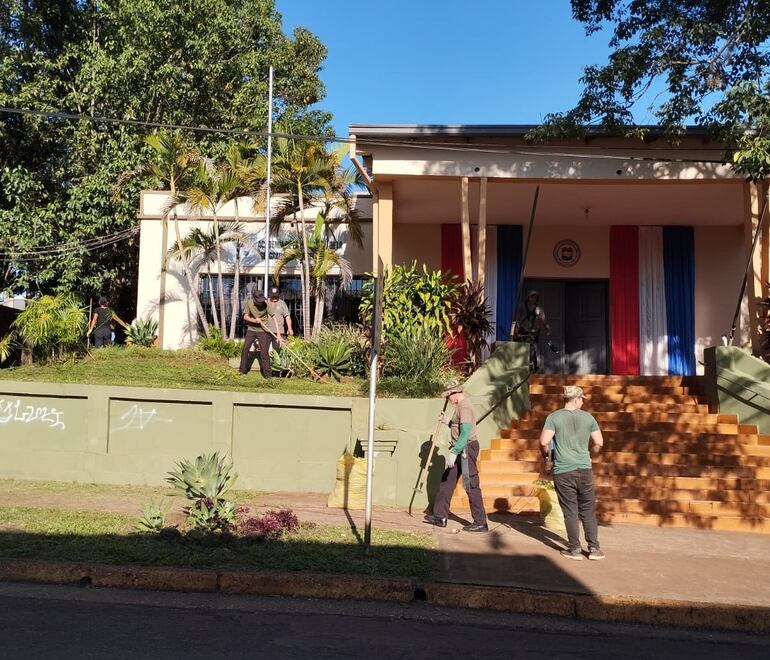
<point>185,369</point>
<point>64,535</point>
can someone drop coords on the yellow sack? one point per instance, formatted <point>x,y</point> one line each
<point>350,487</point>
<point>551,515</point>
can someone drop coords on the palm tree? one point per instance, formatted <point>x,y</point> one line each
<point>322,260</point>
<point>199,247</point>
<point>300,168</point>
<point>172,165</point>
<point>213,187</point>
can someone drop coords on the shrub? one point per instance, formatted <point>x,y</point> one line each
<point>153,516</point>
<point>142,332</point>
<point>296,351</point>
<point>271,524</point>
<point>416,354</point>
<point>210,516</point>
<point>357,343</point>
<point>411,297</point>
<point>471,316</point>
<point>207,477</point>
<point>216,343</point>
<point>51,326</point>
<point>334,357</point>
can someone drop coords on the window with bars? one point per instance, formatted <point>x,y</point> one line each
<point>342,304</point>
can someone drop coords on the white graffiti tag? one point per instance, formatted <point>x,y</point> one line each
<point>136,418</point>
<point>12,411</point>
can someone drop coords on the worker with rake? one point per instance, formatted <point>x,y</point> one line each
<point>465,447</point>
<point>258,316</point>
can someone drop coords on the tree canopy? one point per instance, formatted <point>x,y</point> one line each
<point>202,63</point>
<point>705,62</point>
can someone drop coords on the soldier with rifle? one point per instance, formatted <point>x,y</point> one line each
<point>530,322</point>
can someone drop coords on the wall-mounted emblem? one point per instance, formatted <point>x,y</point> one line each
<point>566,253</point>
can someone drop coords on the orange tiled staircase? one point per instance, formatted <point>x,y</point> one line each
<point>666,460</point>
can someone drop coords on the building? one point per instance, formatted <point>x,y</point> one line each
<point>178,321</point>
<point>638,247</point>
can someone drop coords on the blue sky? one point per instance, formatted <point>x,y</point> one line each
<point>447,61</point>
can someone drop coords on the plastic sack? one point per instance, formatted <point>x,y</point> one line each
<point>551,515</point>
<point>350,487</point>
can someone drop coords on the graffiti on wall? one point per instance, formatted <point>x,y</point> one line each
<point>12,411</point>
<point>137,418</point>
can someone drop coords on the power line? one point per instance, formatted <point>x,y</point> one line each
<point>433,145</point>
<point>80,247</point>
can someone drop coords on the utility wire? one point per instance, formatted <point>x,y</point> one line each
<point>363,140</point>
<point>88,245</point>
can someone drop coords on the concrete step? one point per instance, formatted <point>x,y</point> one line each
<point>649,407</point>
<point>596,380</point>
<point>609,436</point>
<point>538,417</point>
<point>598,390</point>
<point>528,430</point>
<point>683,453</point>
<point>681,399</point>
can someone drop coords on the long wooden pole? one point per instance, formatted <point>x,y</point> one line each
<point>465,216</point>
<point>482,262</point>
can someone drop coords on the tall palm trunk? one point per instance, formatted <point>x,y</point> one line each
<point>214,315</point>
<point>220,280</point>
<point>235,295</point>
<point>190,281</point>
<point>320,306</point>
<point>305,268</point>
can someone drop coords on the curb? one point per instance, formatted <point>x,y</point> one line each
<point>611,609</point>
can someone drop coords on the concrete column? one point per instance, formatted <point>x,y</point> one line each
<point>755,285</point>
<point>382,232</point>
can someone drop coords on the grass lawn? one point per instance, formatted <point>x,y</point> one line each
<point>55,534</point>
<point>186,369</point>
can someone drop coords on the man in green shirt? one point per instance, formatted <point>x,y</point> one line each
<point>465,445</point>
<point>258,318</point>
<point>568,434</point>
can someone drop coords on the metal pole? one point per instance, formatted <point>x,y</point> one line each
<point>269,178</point>
<point>372,400</point>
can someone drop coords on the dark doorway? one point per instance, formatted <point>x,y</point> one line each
<point>576,310</point>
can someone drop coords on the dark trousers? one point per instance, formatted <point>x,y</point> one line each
<point>264,341</point>
<point>449,482</point>
<point>103,336</point>
<point>577,499</point>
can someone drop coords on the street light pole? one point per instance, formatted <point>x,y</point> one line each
<point>269,180</point>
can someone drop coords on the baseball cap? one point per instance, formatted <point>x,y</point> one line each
<point>573,392</point>
<point>274,292</point>
<point>452,388</point>
<point>260,301</point>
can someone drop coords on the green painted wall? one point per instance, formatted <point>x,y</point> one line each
<point>132,435</point>
<point>740,384</point>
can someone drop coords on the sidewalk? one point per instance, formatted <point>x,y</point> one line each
<point>642,562</point>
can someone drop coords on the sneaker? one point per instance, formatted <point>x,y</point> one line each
<point>476,527</point>
<point>596,555</point>
<point>435,520</point>
<point>577,555</point>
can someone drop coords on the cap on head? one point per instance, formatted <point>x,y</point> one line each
<point>573,392</point>
<point>533,292</point>
<point>103,301</point>
<point>260,301</point>
<point>274,292</point>
<point>452,388</point>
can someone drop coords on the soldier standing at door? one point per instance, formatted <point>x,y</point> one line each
<point>530,322</point>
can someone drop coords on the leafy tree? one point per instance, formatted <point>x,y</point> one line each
<point>710,57</point>
<point>191,63</point>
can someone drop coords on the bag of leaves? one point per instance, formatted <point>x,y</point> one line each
<point>551,516</point>
<point>350,487</point>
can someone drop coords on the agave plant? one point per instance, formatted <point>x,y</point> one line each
<point>142,332</point>
<point>209,476</point>
<point>335,357</point>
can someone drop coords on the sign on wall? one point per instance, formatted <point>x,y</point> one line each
<point>566,253</point>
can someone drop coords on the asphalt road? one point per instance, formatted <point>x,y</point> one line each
<point>69,622</point>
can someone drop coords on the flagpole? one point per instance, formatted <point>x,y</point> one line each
<point>269,179</point>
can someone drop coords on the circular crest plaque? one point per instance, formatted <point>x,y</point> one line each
<point>566,253</point>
